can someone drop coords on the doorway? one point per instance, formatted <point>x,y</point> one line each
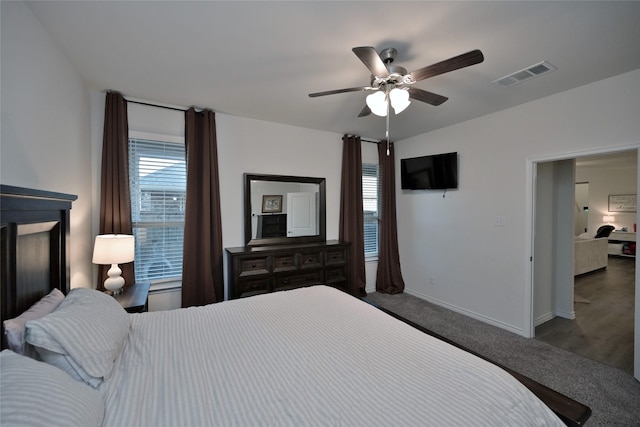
<point>553,230</point>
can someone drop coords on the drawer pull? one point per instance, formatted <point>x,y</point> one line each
<point>253,265</point>
<point>310,260</point>
<point>285,262</point>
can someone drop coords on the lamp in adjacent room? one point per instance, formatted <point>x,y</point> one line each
<point>113,249</point>
<point>608,219</point>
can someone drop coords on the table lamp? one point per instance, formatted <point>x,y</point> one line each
<point>608,219</point>
<point>113,249</point>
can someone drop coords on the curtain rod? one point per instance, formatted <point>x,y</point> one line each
<point>182,109</point>
<point>155,105</point>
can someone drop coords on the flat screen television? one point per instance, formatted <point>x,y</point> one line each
<point>435,172</point>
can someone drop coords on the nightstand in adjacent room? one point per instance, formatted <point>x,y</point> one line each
<point>134,297</point>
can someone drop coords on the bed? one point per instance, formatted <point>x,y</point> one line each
<point>309,356</point>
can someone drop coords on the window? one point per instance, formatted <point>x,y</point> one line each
<point>158,186</point>
<point>371,207</point>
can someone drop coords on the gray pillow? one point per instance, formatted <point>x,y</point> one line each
<point>36,394</point>
<point>14,328</point>
<point>84,335</point>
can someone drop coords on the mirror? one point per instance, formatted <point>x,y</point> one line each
<point>281,209</point>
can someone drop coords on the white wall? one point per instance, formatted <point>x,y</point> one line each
<point>44,141</point>
<point>450,250</point>
<point>544,266</point>
<point>602,183</point>
<point>254,146</point>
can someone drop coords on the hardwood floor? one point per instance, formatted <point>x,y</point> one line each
<point>604,307</point>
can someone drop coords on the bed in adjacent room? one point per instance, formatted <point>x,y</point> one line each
<point>309,356</point>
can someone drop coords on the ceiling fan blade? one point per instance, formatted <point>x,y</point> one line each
<point>371,59</point>
<point>365,111</point>
<point>451,64</point>
<point>332,92</point>
<point>424,96</point>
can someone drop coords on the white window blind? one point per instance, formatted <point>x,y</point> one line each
<point>371,207</point>
<point>158,186</point>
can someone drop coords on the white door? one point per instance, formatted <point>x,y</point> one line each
<point>301,214</point>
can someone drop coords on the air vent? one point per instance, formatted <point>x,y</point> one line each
<point>525,74</point>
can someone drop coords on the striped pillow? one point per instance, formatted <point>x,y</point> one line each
<point>36,394</point>
<point>83,336</point>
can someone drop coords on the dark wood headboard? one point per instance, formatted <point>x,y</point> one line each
<point>34,234</point>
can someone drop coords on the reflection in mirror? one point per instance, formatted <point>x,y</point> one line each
<point>283,209</point>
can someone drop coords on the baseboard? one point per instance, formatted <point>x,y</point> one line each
<point>566,315</point>
<point>543,319</point>
<point>485,319</point>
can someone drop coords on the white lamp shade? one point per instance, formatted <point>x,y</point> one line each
<point>608,218</point>
<point>377,103</point>
<point>113,249</point>
<point>399,100</point>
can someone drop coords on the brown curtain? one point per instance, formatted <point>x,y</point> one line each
<point>351,213</point>
<point>115,202</point>
<point>202,276</point>
<point>389,277</point>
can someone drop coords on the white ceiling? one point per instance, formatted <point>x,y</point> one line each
<point>261,59</point>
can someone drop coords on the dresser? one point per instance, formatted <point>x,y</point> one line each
<point>256,270</point>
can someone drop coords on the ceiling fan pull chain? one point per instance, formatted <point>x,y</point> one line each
<point>388,111</point>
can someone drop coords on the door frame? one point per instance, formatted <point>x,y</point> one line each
<point>530,224</point>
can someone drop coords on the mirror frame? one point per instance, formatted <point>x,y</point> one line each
<point>322,232</point>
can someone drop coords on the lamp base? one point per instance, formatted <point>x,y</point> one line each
<point>114,292</point>
<point>114,283</point>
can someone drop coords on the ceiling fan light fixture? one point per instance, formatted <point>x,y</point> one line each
<point>377,103</point>
<point>399,100</point>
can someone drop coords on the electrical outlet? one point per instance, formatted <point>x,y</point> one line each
<point>499,221</point>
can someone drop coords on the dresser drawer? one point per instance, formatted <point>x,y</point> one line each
<point>296,280</point>
<point>284,262</point>
<point>336,274</point>
<point>251,266</point>
<point>309,259</point>
<point>252,286</point>
<point>336,256</point>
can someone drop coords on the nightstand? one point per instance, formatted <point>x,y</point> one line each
<point>134,297</point>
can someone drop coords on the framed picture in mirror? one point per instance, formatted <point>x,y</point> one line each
<point>271,203</point>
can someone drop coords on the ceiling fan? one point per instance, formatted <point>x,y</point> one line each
<point>392,84</point>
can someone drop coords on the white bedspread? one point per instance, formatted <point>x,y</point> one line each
<point>305,357</point>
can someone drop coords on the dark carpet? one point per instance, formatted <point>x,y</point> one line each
<point>612,394</point>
